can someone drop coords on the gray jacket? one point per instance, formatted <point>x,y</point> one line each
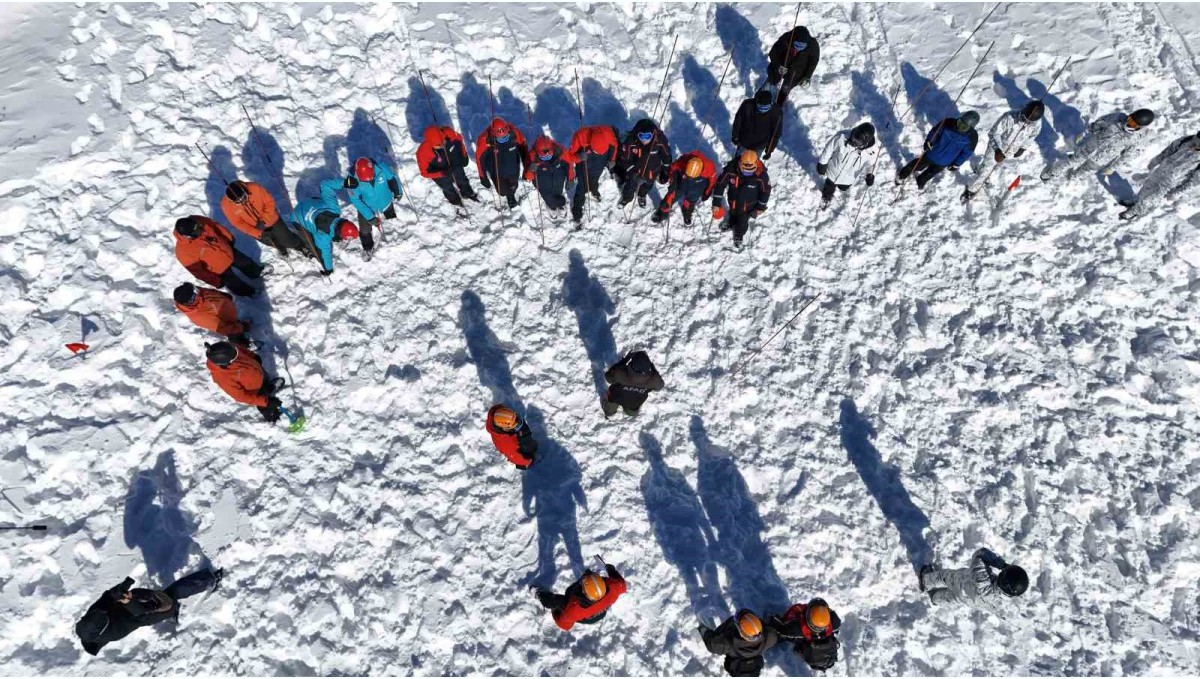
<point>1175,169</point>
<point>1108,142</point>
<point>974,586</point>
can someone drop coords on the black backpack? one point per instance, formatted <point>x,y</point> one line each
<point>820,654</point>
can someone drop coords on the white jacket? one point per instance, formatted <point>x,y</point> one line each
<point>1177,167</point>
<point>1108,141</point>
<point>844,163</point>
<point>1010,134</point>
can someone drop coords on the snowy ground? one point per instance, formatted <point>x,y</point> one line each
<point>1023,378</point>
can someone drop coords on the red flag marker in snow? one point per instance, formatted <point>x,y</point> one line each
<point>77,347</point>
<point>1015,183</point>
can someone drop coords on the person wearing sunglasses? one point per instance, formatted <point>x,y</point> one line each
<point>1107,142</point>
<point>643,157</point>
<point>793,58</point>
<point>758,124</point>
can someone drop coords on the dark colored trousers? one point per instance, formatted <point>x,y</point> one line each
<point>740,223</point>
<point>282,239</point>
<point>455,186</point>
<point>191,585</point>
<point>554,201</point>
<point>635,184</point>
<point>587,181</point>
<point>686,207</point>
<point>926,169</point>
<point>507,187</point>
<point>249,269</point>
<point>829,187</point>
<point>785,88</point>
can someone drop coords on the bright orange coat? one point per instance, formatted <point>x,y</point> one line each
<point>578,609</point>
<point>214,311</point>
<point>253,216</point>
<point>208,255</point>
<point>599,139</point>
<point>241,379</point>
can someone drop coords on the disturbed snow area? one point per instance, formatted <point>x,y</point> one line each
<point>1020,375</point>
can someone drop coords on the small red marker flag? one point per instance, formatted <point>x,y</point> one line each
<point>1015,183</point>
<point>77,347</point>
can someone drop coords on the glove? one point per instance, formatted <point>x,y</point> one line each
<point>1019,153</point>
<point>804,82</point>
<point>326,272</point>
<point>870,180</point>
<point>274,403</point>
<point>821,168</point>
<point>953,168</point>
<point>999,156</point>
<point>702,628</point>
<point>487,183</point>
<point>781,70</point>
<point>663,176</point>
<point>718,212</point>
<point>350,183</point>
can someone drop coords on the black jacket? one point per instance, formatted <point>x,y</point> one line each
<point>800,65</point>
<point>742,658</point>
<point>745,193</point>
<point>628,388</point>
<point>147,607</point>
<point>754,130</point>
<point>645,160</point>
<point>550,177</point>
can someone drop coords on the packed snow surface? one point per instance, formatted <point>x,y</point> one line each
<point>1019,374</point>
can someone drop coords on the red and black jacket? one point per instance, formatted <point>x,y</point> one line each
<point>440,152</point>
<point>690,190</point>
<point>580,610</point>
<point>510,157</point>
<point>549,176</point>
<point>597,141</point>
<point>746,193</point>
<point>648,161</point>
<point>518,447</point>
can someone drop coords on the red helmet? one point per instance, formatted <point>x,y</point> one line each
<point>347,231</point>
<point>364,170</point>
<point>544,148</point>
<point>501,129</point>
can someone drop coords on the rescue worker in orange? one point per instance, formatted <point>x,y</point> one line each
<point>442,157</point>
<point>586,601</point>
<point>212,310</point>
<point>593,150</point>
<point>251,210</point>
<point>691,181</point>
<point>511,436</point>
<point>205,248</point>
<point>239,373</point>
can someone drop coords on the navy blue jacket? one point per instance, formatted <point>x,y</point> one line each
<point>946,146</point>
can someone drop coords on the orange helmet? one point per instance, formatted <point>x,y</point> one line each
<point>594,586</point>
<point>749,626</point>
<point>505,418</point>
<point>817,615</point>
<point>749,160</point>
<point>694,167</point>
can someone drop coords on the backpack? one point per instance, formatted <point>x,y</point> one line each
<point>820,654</point>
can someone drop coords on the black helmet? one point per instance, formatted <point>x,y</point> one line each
<point>1013,580</point>
<point>187,226</point>
<point>1033,111</point>
<point>221,353</point>
<point>185,293</point>
<point>1140,118</point>
<point>640,363</point>
<point>968,121</point>
<point>862,136</point>
<point>763,98</point>
<point>237,191</point>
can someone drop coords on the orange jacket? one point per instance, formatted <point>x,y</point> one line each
<point>579,610</point>
<point>253,216</point>
<point>214,311</point>
<point>208,255</point>
<point>432,153</point>
<point>599,139</point>
<point>241,379</point>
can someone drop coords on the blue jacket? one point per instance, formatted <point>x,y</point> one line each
<point>374,197</point>
<point>946,146</point>
<point>319,217</point>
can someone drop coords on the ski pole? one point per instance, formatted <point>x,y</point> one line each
<point>948,61</point>
<point>878,152</point>
<point>495,152</point>
<point>755,353</point>
<point>36,526</point>
<point>263,152</point>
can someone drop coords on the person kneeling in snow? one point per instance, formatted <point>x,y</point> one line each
<point>121,610</point>
<point>812,628</point>
<point>742,639</point>
<point>239,373</point>
<point>630,382</point>
<point>586,601</point>
<point>251,210</point>
<point>977,586</point>
<point>206,250</point>
<point>511,436</point>
<point>323,225</point>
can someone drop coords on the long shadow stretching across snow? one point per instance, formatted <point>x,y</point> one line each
<point>1062,120</point>
<point>485,351</point>
<point>550,492</point>
<point>740,37</point>
<point>155,524</point>
<point>366,139</point>
<point>935,104</point>
<point>707,107</point>
<point>417,114</point>
<point>683,530</point>
<point>586,297</point>
<point>883,483</point>
<point>557,111</point>
<point>868,101</point>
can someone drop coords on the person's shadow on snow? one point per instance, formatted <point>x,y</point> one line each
<point>366,139</point>
<point>586,297</point>
<point>155,524</point>
<point>550,492</point>
<point>557,111</point>
<point>485,351</point>
<point>421,112</point>
<point>740,38</point>
<point>883,483</point>
<point>683,531</point>
<point>708,109</point>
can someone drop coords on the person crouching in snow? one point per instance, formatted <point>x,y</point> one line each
<point>630,382</point>
<point>206,250</point>
<point>239,373</point>
<point>986,584</point>
<point>844,159</point>
<point>323,225</point>
<point>251,210</point>
<point>212,310</point>
<point>586,601</point>
<point>511,436</point>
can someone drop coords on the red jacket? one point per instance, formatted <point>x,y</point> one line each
<point>208,255</point>
<point>432,153</point>
<point>241,379</point>
<point>579,610</point>
<point>690,189</point>
<point>599,139</point>
<point>517,447</point>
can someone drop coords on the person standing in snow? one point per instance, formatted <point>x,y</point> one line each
<point>373,189</point>
<point>121,610</point>
<point>986,584</point>
<point>742,639</point>
<point>949,144</point>
<point>793,58</point>
<point>812,628</point>
<point>844,158</point>
<point>212,310</point>
<point>442,157</point>
<point>748,187</point>
<point>239,373</point>
<point>501,149</point>
<point>630,382</point>
<point>691,181</point>
<point>1106,143</point>
<point>322,223</point>
<point>205,248</point>
<point>550,171</point>
<point>1009,137</point>
<point>511,436</point>
<point>758,124</point>
<point>1173,171</point>
<point>586,601</point>
<point>644,155</point>
<point>593,150</point>
<point>251,210</point>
